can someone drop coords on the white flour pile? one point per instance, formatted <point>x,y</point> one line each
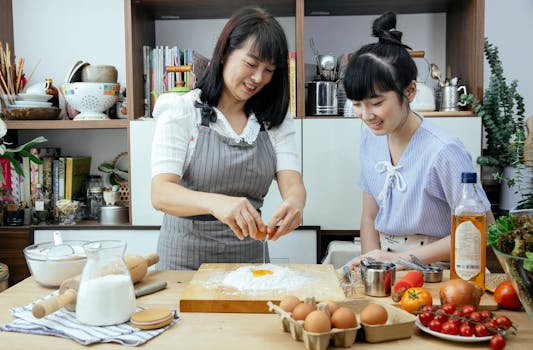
<point>281,278</point>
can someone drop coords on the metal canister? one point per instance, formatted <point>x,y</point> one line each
<point>378,278</point>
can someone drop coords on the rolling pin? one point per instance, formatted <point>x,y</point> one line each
<point>68,290</point>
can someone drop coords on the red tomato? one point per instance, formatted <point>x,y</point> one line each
<point>427,308</point>
<point>467,310</point>
<point>506,296</point>
<point>497,342</point>
<point>485,315</point>
<point>480,330</point>
<point>466,330</point>
<point>450,327</point>
<point>448,308</point>
<point>425,318</point>
<point>503,322</point>
<point>491,326</point>
<point>475,317</point>
<point>435,325</point>
<point>441,316</point>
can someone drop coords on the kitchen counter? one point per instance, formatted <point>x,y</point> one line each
<point>218,331</point>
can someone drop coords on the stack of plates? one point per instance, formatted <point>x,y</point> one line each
<point>32,101</point>
<point>31,107</point>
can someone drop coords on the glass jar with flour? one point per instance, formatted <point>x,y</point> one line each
<point>105,296</point>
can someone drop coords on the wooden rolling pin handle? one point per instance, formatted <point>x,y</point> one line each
<point>46,307</point>
<point>417,54</point>
<point>151,259</point>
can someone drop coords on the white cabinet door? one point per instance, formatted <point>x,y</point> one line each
<point>141,135</point>
<point>331,173</point>
<point>298,247</point>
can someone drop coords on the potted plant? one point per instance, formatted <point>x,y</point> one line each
<point>502,114</point>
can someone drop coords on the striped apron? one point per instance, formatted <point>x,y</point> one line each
<point>218,165</point>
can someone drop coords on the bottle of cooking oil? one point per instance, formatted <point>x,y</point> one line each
<point>469,234</point>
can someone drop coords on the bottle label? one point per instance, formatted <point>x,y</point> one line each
<point>467,250</point>
<point>39,205</point>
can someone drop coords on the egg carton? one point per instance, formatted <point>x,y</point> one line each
<point>314,341</point>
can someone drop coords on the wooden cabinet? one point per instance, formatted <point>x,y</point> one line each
<point>13,240</point>
<point>464,32</point>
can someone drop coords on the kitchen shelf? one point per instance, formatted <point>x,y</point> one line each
<point>67,124</point>
<point>434,114</point>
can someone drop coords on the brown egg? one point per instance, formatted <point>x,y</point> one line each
<point>301,311</point>
<point>374,314</point>
<point>344,318</point>
<point>289,302</point>
<point>332,306</point>
<point>317,322</point>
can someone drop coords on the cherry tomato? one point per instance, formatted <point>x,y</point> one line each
<point>428,308</point>
<point>503,322</point>
<point>505,295</point>
<point>491,326</point>
<point>414,299</point>
<point>480,330</point>
<point>435,325</point>
<point>466,330</point>
<point>497,342</point>
<point>485,315</point>
<point>450,327</point>
<point>448,308</point>
<point>425,317</point>
<point>467,310</point>
<point>441,316</point>
<point>475,317</point>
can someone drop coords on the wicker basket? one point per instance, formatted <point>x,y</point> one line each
<point>124,184</point>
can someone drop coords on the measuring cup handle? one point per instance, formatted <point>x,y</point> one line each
<point>461,89</point>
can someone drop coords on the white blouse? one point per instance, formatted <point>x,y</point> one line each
<point>176,134</point>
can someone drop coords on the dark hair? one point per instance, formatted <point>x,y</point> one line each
<point>270,104</point>
<point>382,66</point>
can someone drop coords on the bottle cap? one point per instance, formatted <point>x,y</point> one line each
<point>469,178</point>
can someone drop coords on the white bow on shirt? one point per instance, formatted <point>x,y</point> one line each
<point>394,178</point>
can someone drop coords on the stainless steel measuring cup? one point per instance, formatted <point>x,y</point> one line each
<point>378,277</point>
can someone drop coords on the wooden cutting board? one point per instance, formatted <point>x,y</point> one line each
<point>206,293</point>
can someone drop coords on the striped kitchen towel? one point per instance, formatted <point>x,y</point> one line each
<point>63,323</point>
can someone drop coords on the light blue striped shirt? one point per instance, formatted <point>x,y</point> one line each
<point>425,185</point>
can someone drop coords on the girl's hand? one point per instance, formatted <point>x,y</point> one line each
<point>287,217</point>
<point>376,254</point>
<point>239,214</point>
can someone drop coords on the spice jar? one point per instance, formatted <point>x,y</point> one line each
<point>95,200</point>
<point>52,90</point>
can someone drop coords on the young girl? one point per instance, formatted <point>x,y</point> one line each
<point>410,168</point>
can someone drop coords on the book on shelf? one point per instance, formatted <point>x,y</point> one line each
<point>6,173</point>
<point>292,83</point>
<point>76,170</point>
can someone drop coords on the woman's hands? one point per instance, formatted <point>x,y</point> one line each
<point>239,214</point>
<point>376,254</point>
<point>288,216</point>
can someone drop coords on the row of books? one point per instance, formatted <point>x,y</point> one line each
<point>158,79</point>
<point>61,176</point>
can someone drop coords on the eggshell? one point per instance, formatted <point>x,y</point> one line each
<point>317,322</point>
<point>373,314</point>
<point>301,311</point>
<point>344,318</point>
<point>289,302</point>
<point>332,306</point>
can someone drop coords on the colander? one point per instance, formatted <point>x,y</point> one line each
<point>91,99</point>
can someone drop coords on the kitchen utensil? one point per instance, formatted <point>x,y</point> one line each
<point>206,293</point>
<point>316,55</point>
<point>151,288</point>
<point>68,291</point>
<point>322,98</point>
<point>436,74</point>
<point>431,273</point>
<point>425,97</point>
<point>378,277</point>
<point>450,98</point>
<point>90,99</point>
<point>60,249</point>
<point>50,270</point>
<point>99,74</point>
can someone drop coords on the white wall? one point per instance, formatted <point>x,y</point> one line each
<point>508,26</point>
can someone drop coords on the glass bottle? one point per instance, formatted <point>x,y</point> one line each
<point>52,90</point>
<point>469,234</point>
<point>95,201</point>
<point>41,206</point>
<point>105,296</point>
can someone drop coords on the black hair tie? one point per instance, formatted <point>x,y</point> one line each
<point>207,111</point>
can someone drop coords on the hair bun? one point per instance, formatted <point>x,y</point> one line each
<point>384,28</point>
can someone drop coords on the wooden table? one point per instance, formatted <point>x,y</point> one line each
<point>218,331</point>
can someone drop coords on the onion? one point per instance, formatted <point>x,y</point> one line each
<point>459,293</point>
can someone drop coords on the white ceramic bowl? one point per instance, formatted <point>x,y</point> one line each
<point>49,270</point>
<point>91,99</point>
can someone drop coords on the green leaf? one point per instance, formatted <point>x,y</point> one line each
<point>528,264</point>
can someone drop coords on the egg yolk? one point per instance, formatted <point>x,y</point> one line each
<point>261,272</point>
